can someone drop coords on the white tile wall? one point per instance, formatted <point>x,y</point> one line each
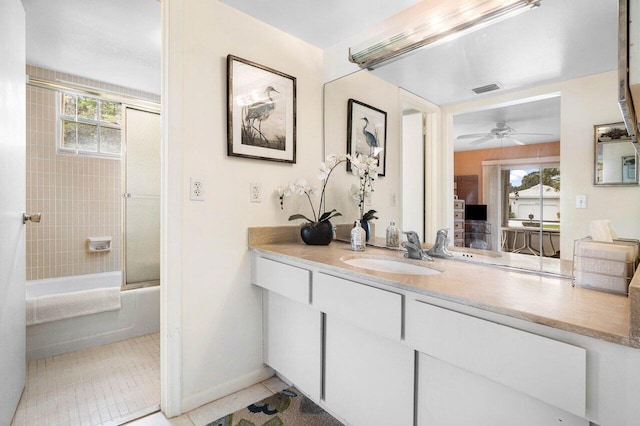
<point>79,197</point>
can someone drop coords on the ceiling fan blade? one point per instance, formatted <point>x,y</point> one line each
<point>481,140</point>
<point>516,141</point>
<point>533,134</point>
<point>474,135</point>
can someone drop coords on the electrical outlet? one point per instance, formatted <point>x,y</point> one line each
<point>581,201</point>
<point>255,193</point>
<point>196,190</point>
<point>393,200</point>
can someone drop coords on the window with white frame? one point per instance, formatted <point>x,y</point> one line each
<point>89,125</point>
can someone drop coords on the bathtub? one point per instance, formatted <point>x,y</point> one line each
<point>139,314</point>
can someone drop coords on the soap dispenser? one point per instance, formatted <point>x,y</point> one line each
<point>393,235</point>
<point>358,237</point>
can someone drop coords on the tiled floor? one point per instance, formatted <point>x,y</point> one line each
<point>213,411</point>
<point>106,384</point>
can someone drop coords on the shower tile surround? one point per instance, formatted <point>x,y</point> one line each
<point>78,196</point>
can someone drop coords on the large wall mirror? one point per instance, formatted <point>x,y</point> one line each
<point>520,155</point>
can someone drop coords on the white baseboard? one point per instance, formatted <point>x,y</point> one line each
<point>223,389</point>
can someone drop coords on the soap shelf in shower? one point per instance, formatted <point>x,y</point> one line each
<point>98,244</point>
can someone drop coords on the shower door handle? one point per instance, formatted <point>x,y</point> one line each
<point>33,217</point>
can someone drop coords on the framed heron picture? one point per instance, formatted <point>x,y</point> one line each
<point>261,117</point>
<point>367,133</point>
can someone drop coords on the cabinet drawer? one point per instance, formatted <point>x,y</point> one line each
<point>369,308</point>
<point>287,280</point>
<point>458,204</point>
<point>551,371</point>
<point>458,234</point>
<point>458,224</point>
<point>458,214</point>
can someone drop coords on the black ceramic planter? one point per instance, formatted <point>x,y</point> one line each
<point>317,234</point>
<point>366,227</point>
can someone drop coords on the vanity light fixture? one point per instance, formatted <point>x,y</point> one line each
<point>437,24</point>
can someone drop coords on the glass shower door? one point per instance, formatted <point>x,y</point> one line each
<point>141,199</point>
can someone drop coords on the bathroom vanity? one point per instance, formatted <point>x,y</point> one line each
<point>459,344</point>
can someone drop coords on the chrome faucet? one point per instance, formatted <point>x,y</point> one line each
<point>439,249</point>
<point>414,248</point>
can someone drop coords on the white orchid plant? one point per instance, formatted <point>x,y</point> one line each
<point>301,187</point>
<point>366,168</point>
<point>362,166</point>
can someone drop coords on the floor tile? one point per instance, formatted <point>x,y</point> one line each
<point>158,419</point>
<point>275,385</point>
<point>98,385</point>
<point>229,404</point>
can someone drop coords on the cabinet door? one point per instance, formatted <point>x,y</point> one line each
<point>450,396</point>
<point>369,379</point>
<point>292,342</point>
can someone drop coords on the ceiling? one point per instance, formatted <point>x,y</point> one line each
<point>560,40</point>
<point>321,23</point>
<point>115,41</point>
<point>541,116</point>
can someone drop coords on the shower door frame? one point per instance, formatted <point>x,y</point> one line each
<point>125,195</point>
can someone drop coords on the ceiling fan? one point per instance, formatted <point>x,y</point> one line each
<point>501,131</point>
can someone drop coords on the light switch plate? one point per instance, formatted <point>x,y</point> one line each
<point>581,201</point>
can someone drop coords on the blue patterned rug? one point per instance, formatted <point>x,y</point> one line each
<point>287,408</point>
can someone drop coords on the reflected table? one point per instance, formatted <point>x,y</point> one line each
<point>526,247</point>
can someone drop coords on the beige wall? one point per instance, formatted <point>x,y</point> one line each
<point>79,197</point>
<point>221,320</point>
<point>470,162</point>
<point>385,97</point>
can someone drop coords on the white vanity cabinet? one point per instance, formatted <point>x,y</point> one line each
<point>496,375</point>
<point>292,329</point>
<point>369,373</point>
<point>371,353</point>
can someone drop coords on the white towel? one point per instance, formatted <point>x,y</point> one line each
<point>55,307</point>
<point>602,230</point>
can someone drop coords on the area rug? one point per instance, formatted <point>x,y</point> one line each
<point>287,408</point>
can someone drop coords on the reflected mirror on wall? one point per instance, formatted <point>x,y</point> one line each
<point>615,157</point>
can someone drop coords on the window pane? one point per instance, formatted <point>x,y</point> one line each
<point>109,140</point>
<point>87,108</point>
<point>69,105</point>
<point>87,137</point>
<point>110,112</point>
<point>69,134</point>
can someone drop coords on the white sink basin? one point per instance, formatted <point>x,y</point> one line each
<point>390,265</point>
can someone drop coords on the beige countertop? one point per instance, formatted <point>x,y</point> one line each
<point>546,300</point>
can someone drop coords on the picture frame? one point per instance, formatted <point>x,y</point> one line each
<point>615,158</point>
<point>367,133</point>
<point>261,115</point>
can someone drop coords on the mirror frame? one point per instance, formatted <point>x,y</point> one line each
<point>598,137</point>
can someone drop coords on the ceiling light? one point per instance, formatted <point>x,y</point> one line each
<point>436,24</point>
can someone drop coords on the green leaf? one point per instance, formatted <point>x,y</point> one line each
<point>331,217</point>
<point>326,215</point>
<point>300,216</point>
<point>370,215</point>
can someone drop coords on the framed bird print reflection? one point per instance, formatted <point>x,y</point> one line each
<point>367,133</point>
<point>261,117</point>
